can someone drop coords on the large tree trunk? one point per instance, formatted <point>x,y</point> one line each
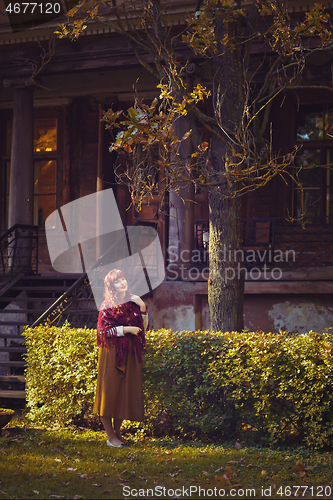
<point>226,276</point>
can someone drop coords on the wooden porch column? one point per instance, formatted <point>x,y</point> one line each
<point>21,183</point>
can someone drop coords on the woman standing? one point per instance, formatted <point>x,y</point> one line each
<point>121,324</point>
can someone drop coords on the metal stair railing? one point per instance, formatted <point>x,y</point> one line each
<point>18,250</point>
<point>77,304</point>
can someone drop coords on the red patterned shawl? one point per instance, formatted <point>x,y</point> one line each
<point>127,314</point>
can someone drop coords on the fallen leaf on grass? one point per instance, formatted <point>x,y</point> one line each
<point>238,445</point>
<point>301,473</point>
<point>174,474</point>
<point>77,497</point>
<point>228,472</point>
<point>225,478</point>
<point>299,469</point>
<point>96,485</point>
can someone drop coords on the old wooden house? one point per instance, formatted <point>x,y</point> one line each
<point>54,149</point>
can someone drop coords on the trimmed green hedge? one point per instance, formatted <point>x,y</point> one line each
<point>61,373</point>
<point>263,387</point>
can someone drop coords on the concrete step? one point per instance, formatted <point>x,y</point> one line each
<point>41,288</point>
<point>22,311</point>
<point>12,394</point>
<point>13,349</point>
<point>14,323</point>
<point>32,299</point>
<point>14,364</point>
<point>11,336</point>
<point>12,378</point>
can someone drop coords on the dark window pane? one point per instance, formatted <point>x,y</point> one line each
<point>310,177</point>
<point>309,123</point>
<point>44,206</point>
<point>45,177</point>
<point>330,205</point>
<point>329,123</point>
<point>45,190</point>
<point>311,200</point>
<point>8,137</point>
<point>310,173</point>
<point>7,177</point>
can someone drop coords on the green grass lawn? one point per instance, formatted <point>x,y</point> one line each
<point>76,463</point>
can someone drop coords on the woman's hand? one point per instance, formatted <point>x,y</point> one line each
<point>138,300</point>
<point>132,329</point>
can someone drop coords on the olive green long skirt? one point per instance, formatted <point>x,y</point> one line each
<point>119,391</point>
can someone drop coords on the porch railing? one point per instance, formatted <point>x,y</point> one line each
<point>276,241</point>
<point>19,250</point>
